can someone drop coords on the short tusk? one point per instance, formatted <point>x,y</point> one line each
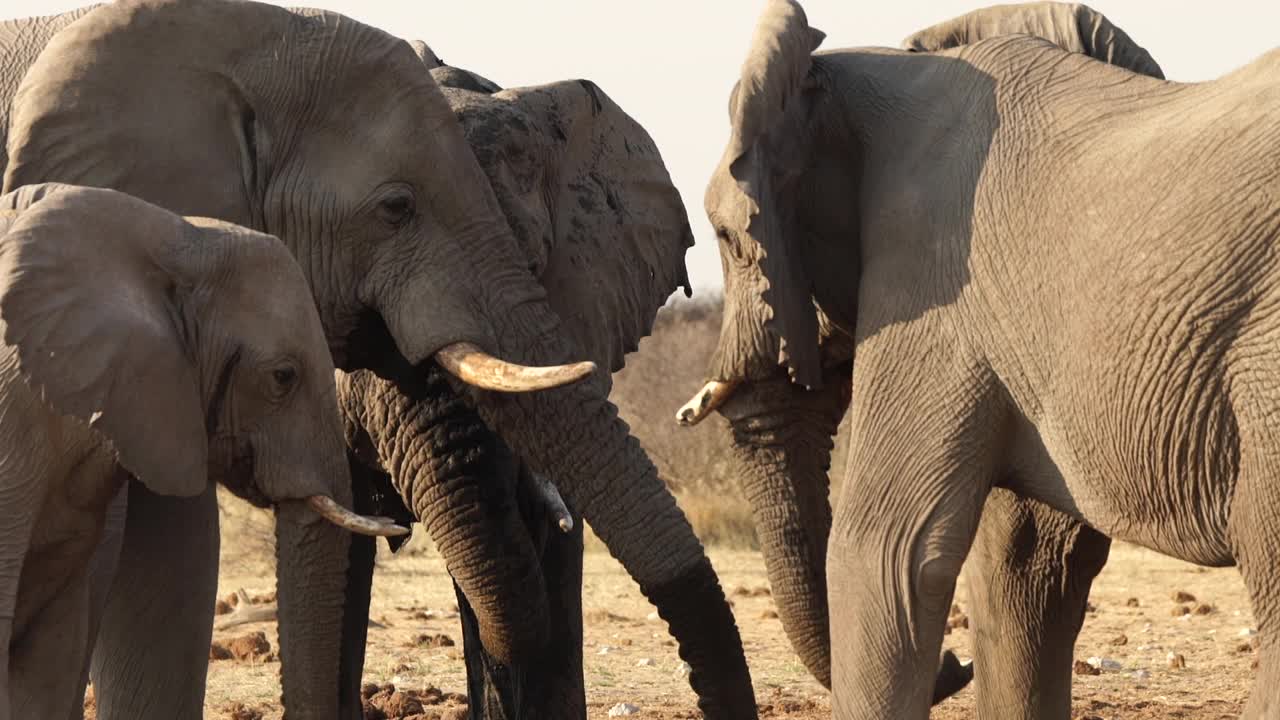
<point>474,366</point>
<point>327,508</point>
<point>550,497</point>
<point>711,396</point>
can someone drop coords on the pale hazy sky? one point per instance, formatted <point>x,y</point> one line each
<point>670,63</point>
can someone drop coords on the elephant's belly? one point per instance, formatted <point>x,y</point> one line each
<point>1158,494</point>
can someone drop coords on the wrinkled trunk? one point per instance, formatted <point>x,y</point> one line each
<point>311,576</point>
<point>459,480</point>
<point>550,685</point>
<point>782,441</point>
<point>573,434</point>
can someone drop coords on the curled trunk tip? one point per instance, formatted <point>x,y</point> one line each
<point>327,508</point>
<point>473,366</point>
<point>711,396</point>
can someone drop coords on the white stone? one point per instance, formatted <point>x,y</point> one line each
<point>1247,632</point>
<point>1141,675</point>
<point>652,617</point>
<point>644,662</point>
<point>606,649</point>
<point>1104,663</point>
<point>623,709</point>
<point>683,669</point>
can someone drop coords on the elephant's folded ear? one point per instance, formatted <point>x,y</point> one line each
<point>774,75</point>
<point>89,308</point>
<point>1104,41</point>
<point>588,196</point>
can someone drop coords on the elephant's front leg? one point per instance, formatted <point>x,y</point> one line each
<point>921,463</point>
<point>152,652</point>
<point>1029,575</point>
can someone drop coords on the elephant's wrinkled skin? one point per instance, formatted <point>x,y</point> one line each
<point>1025,614</point>
<point>137,343</point>
<point>329,134</point>
<point>1052,296</point>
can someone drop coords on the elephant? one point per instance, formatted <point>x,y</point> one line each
<point>564,160</point>
<point>210,366</point>
<point>328,134</point>
<point>1039,298</point>
<point>781,436</point>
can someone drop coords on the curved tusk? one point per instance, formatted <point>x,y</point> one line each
<point>550,497</point>
<point>327,508</point>
<point>711,396</point>
<point>474,366</point>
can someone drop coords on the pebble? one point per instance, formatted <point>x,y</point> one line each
<point>644,662</point>
<point>683,669</point>
<point>1104,663</point>
<point>623,709</point>
<point>1247,632</point>
<point>606,649</point>
<point>1141,675</point>
<point>1183,597</point>
<point>652,617</point>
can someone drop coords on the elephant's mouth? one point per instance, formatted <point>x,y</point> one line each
<point>231,464</point>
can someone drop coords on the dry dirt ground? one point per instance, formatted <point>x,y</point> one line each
<point>630,659</point>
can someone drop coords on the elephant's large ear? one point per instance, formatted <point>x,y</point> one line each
<point>773,76</point>
<point>89,302</point>
<point>1071,26</point>
<point>589,198</point>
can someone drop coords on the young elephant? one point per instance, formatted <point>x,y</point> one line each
<point>138,343</point>
<point>1059,277</point>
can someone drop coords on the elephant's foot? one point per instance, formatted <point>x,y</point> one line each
<point>1029,574</point>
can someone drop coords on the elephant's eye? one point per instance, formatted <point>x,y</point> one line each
<point>396,209</point>
<point>285,378</point>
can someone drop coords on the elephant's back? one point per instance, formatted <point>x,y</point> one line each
<point>21,42</point>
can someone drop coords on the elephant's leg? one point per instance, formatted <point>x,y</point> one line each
<point>921,462</point>
<point>152,653</point>
<point>45,657</point>
<point>1029,575</point>
<point>6,638</point>
<point>1254,535</point>
<point>102,569</point>
<point>359,593</point>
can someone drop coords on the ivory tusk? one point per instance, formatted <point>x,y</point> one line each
<point>474,366</point>
<point>711,396</point>
<point>550,497</point>
<point>327,508</point>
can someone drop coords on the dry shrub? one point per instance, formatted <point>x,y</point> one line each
<point>248,535</point>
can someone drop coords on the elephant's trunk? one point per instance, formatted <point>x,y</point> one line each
<point>459,481</point>
<point>311,567</point>
<point>782,441</point>
<point>574,436</point>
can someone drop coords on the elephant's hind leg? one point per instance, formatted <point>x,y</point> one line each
<point>1029,575</point>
